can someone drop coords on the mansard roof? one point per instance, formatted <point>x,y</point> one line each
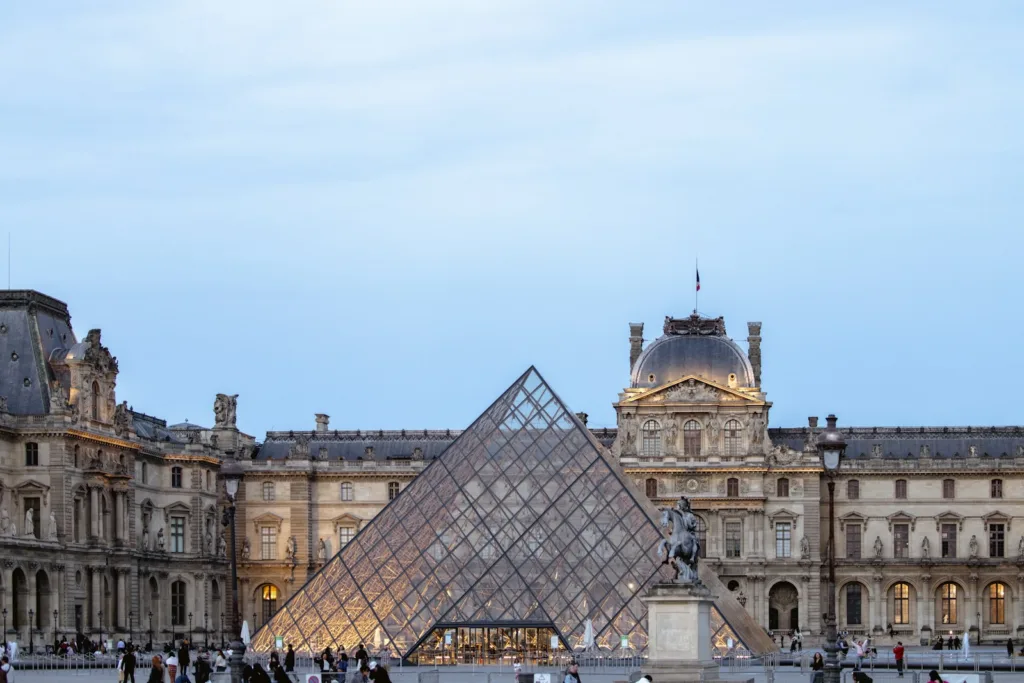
<point>32,327</point>
<point>918,442</point>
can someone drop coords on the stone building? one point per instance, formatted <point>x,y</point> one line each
<point>124,510</point>
<point>108,517</point>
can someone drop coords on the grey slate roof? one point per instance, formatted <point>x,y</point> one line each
<point>915,442</point>
<point>32,326</point>
<point>153,429</point>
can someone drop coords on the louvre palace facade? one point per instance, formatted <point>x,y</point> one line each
<point>110,518</point>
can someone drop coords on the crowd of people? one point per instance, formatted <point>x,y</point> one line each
<point>363,668</point>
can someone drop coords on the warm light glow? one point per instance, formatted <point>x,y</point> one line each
<point>232,487</point>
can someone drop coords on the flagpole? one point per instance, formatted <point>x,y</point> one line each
<point>696,293</point>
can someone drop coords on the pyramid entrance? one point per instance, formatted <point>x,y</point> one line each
<point>524,530</point>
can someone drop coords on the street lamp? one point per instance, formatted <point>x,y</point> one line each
<point>99,614</point>
<point>131,616</point>
<point>54,631</point>
<point>151,629</point>
<point>831,446</point>
<point>5,626</point>
<point>190,630</point>
<point>206,631</point>
<point>31,631</point>
<point>232,473</point>
<point>222,629</point>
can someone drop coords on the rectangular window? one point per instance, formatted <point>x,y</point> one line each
<point>901,540</point>
<point>268,543</point>
<point>177,534</point>
<point>997,603</point>
<point>345,534</point>
<point>346,490</point>
<point>997,488</point>
<point>782,490</point>
<point>949,540</point>
<point>948,488</point>
<point>783,539</point>
<point>996,540</point>
<point>176,477</point>
<point>853,604</point>
<point>853,543</point>
<point>901,603</point>
<point>33,505</point>
<point>268,491</point>
<point>31,454</point>
<point>733,539</point>
<point>853,489</point>
<point>901,488</point>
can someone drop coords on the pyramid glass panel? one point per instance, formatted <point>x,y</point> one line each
<point>523,528</point>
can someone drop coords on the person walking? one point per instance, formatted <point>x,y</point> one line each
<point>172,668</point>
<point>817,668</point>
<point>184,658</point>
<point>573,673</point>
<point>362,659</point>
<point>1009,648</point>
<point>898,653</point>
<point>156,674</point>
<point>128,663</point>
<point>289,659</point>
<point>6,670</point>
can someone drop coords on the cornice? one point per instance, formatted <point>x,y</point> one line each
<point>96,438</point>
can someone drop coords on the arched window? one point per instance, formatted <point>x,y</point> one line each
<point>732,437</point>
<point>782,490</point>
<point>651,488</point>
<point>732,487</point>
<point>997,603</point>
<point>346,490</point>
<point>31,454</point>
<point>175,477</point>
<point>691,439</point>
<point>702,535</point>
<point>901,603</point>
<point>947,596</point>
<point>853,604</point>
<point>178,602</point>
<point>95,408</point>
<point>650,439</point>
<point>268,490</point>
<point>268,601</point>
<point>145,473</point>
<point>392,490</point>
<point>853,489</point>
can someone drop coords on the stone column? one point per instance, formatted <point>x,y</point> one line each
<point>758,521</point>
<point>877,618</point>
<point>56,591</point>
<point>805,603</point>
<point>94,511</point>
<point>971,619</point>
<point>97,597</point>
<point>8,595</point>
<point>122,597</point>
<point>32,597</point>
<point>1018,602</point>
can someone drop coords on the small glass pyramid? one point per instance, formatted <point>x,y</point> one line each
<point>522,526</point>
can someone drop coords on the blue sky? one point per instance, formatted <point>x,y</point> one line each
<point>387,210</point>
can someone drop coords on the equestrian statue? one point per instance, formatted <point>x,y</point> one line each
<point>682,547</point>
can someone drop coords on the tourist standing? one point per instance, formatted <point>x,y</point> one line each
<point>362,659</point>
<point>898,653</point>
<point>156,674</point>
<point>128,663</point>
<point>289,659</point>
<point>573,674</point>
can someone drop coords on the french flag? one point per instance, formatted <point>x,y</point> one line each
<point>698,280</point>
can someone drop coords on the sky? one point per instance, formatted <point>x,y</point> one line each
<point>386,211</point>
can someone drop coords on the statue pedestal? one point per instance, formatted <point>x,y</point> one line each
<point>679,633</point>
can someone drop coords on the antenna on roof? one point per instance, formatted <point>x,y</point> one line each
<point>8,259</point>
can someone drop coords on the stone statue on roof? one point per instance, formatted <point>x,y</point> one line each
<point>224,407</point>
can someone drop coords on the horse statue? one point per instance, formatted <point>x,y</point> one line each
<point>681,548</point>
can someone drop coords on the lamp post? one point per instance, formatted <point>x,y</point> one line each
<point>222,629</point>
<point>5,626</point>
<point>190,630</point>
<point>131,616</point>
<point>99,614</point>
<point>232,473</point>
<point>55,631</point>
<point>831,446</point>
<point>206,630</point>
<point>151,629</point>
<point>31,631</point>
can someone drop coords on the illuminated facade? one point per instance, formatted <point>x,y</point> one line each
<point>522,525</point>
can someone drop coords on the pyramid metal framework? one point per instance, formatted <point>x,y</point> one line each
<point>523,520</point>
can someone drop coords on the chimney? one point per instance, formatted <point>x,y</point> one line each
<point>583,418</point>
<point>322,422</point>
<point>754,353</point>
<point>636,343</point>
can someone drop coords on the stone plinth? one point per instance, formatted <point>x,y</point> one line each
<point>679,632</point>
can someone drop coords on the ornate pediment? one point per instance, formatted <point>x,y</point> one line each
<point>783,515</point>
<point>33,488</point>
<point>996,517</point>
<point>268,519</point>
<point>902,517</point>
<point>178,508</point>
<point>852,518</point>
<point>347,520</point>
<point>949,517</point>
<point>692,389</point>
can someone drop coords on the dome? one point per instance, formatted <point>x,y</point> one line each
<point>692,346</point>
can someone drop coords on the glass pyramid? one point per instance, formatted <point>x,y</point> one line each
<point>522,522</point>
